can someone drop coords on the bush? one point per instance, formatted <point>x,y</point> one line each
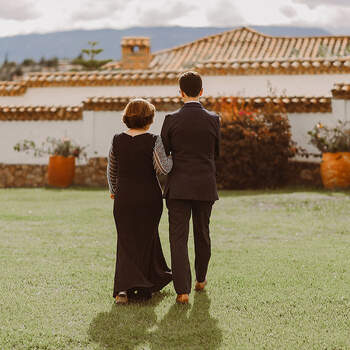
<point>331,139</point>
<point>255,147</point>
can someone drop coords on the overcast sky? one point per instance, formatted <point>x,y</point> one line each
<point>42,16</point>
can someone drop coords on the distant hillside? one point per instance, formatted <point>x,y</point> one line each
<point>69,43</point>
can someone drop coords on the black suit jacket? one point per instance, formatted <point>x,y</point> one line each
<point>192,136</point>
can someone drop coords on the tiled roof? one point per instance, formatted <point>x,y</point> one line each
<point>10,88</point>
<point>332,65</point>
<point>119,103</point>
<point>341,91</point>
<point>239,51</point>
<point>287,104</point>
<point>153,77</point>
<point>40,113</point>
<point>247,45</point>
<point>101,78</point>
<point>292,104</point>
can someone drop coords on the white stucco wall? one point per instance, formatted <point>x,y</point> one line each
<point>95,130</point>
<point>38,131</point>
<point>73,96</point>
<point>302,123</point>
<point>257,85</point>
<point>234,85</point>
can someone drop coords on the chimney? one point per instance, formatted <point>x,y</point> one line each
<point>136,53</point>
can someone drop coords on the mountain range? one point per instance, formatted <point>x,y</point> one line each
<point>68,44</point>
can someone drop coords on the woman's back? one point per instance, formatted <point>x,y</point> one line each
<point>134,165</point>
<point>134,156</point>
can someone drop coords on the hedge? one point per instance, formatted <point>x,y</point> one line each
<point>255,146</point>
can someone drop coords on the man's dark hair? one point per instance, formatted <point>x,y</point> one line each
<point>190,83</point>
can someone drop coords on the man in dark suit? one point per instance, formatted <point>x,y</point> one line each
<point>192,136</point>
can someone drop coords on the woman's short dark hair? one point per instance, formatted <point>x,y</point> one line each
<point>190,83</point>
<point>138,114</point>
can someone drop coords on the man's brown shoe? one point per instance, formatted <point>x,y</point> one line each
<point>121,298</point>
<point>182,298</point>
<point>200,286</point>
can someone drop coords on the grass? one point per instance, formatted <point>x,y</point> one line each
<point>279,276</point>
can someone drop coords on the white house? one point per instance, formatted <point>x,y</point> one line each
<point>299,73</point>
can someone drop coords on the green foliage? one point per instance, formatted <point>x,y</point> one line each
<point>49,63</point>
<point>331,139</point>
<point>91,63</point>
<point>9,70</point>
<point>255,148</point>
<point>28,62</point>
<point>52,146</point>
<point>53,62</point>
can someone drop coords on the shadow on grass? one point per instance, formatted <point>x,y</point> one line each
<point>136,325</point>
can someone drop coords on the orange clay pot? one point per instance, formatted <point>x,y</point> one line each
<point>335,170</point>
<point>61,171</point>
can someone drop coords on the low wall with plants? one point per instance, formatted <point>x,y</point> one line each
<point>92,174</point>
<point>258,134</point>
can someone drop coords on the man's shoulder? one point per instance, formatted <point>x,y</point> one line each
<point>181,111</point>
<point>211,114</point>
<point>173,114</point>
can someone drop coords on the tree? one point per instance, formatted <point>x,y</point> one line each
<point>52,63</point>
<point>92,52</point>
<point>91,63</point>
<point>28,62</point>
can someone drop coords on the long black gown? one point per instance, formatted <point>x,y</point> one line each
<point>140,264</point>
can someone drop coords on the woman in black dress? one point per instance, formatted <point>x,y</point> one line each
<point>135,159</point>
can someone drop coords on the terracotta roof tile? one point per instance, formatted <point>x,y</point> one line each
<point>341,91</point>
<point>293,104</point>
<point>101,78</point>
<point>247,44</point>
<point>9,88</point>
<point>32,113</point>
<point>240,51</point>
<point>336,65</point>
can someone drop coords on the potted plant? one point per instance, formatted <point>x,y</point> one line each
<point>62,152</point>
<point>334,144</point>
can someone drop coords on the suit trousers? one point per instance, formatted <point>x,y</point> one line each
<point>179,211</point>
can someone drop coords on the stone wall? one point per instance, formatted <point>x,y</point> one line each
<point>93,174</point>
<point>22,175</point>
<point>304,174</point>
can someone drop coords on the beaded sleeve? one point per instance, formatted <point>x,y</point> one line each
<point>112,171</point>
<point>162,163</point>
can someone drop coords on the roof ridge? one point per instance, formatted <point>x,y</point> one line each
<point>206,38</point>
<point>252,30</point>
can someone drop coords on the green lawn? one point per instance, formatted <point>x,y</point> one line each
<point>279,277</point>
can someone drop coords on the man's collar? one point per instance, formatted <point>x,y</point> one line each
<point>192,102</point>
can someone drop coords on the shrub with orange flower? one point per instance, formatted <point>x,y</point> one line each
<point>255,146</point>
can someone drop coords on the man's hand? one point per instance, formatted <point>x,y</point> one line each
<point>112,196</point>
